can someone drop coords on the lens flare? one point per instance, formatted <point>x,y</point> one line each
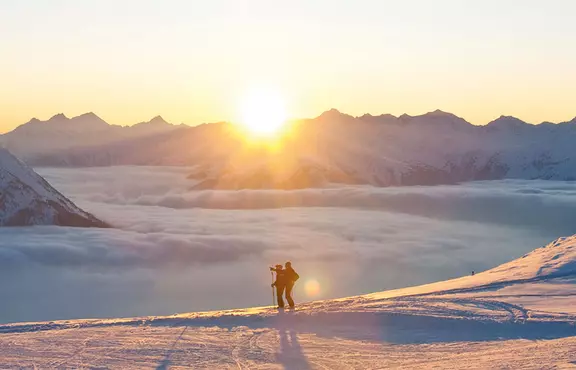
<point>312,288</point>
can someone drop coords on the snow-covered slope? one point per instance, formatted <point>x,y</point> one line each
<point>27,199</point>
<point>518,315</point>
<point>555,259</point>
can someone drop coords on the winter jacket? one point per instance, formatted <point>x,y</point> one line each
<point>291,275</point>
<point>280,277</point>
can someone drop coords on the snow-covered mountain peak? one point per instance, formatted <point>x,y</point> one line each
<point>27,199</point>
<point>439,113</point>
<point>507,121</point>
<point>86,121</point>
<point>332,111</point>
<point>334,115</point>
<point>444,118</point>
<point>435,119</point>
<point>60,134</point>
<point>89,115</point>
<point>156,121</point>
<point>155,125</point>
<point>89,120</point>
<point>383,118</point>
<point>58,117</point>
<point>10,165</point>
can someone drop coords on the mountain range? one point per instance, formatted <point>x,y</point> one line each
<point>36,138</point>
<point>333,148</point>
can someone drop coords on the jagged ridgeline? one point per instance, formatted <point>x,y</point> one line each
<point>27,199</point>
<point>333,148</point>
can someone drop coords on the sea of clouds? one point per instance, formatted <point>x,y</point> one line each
<point>175,250</point>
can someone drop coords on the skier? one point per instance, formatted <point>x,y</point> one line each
<point>279,284</point>
<point>291,277</point>
<point>285,279</point>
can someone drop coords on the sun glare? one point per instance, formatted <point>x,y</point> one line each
<point>312,288</point>
<point>263,112</point>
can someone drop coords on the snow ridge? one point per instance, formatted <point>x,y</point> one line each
<point>27,199</point>
<point>555,259</point>
<point>60,133</point>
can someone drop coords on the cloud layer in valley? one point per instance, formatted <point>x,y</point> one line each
<point>174,250</point>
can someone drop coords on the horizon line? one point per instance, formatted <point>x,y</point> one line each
<point>329,111</point>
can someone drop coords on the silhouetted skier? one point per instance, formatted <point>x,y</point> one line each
<point>291,277</point>
<point>279,284</point>
<point>285,279</point>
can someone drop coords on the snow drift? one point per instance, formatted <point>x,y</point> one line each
<point>27,199</point>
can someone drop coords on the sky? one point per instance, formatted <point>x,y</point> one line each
<point>173,250</point>
<point>192,61</point>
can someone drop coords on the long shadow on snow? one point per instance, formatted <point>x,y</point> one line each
<point>400,328</point>
<point>291,355</point>
<point>165,363</point>
<point>373,326</point>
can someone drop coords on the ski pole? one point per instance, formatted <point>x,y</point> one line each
<point>273,296</point>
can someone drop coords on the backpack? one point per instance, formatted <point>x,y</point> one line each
<point>295,276</point>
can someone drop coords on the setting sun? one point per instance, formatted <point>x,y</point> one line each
<point>263,111</point>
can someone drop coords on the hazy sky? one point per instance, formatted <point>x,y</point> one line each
<point>128,60</point>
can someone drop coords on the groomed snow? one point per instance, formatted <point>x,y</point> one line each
<point>519,315</point>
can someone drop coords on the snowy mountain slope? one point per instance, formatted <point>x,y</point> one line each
<point>519,315</point>
<point>434,148</point>
<point>27,199</point>
<point>61,133</point>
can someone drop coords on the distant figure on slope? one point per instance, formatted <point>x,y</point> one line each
<point>279,284</point>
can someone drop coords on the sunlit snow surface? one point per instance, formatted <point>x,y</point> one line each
<point>518,315</point>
